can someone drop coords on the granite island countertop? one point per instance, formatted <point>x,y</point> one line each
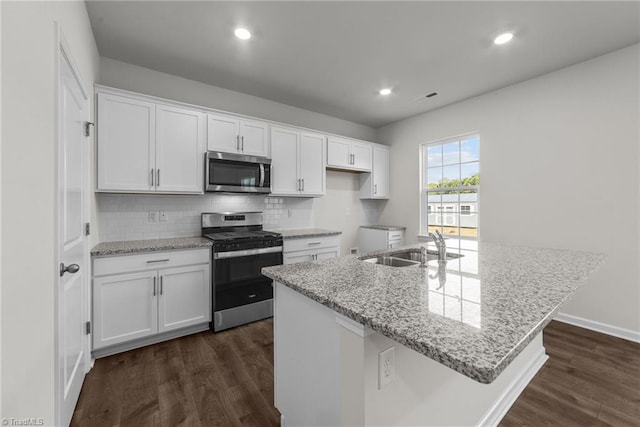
<point>306,232</point>
<point>474,316</point>
<point>134,246</point>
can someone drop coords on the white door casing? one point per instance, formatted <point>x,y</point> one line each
<point>72,343</point>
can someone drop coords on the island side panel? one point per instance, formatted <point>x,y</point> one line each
<point>425,392</point>
<point>306,357</point>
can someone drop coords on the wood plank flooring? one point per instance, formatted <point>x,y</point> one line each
<point>226,379</point>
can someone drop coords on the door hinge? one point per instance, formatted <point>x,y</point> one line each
<point>87,228</point>
<point>87,328</point>
<point>87,130</point>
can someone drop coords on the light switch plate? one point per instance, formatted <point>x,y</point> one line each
<point>162,216</point>
<point>153,216</point>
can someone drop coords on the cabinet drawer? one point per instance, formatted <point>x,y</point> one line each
<point>149,261</point>
<point>395,235</point>
<point>291,245</point>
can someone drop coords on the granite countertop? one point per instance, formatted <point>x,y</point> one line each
<point>474,316</point>
<point>385,227</point>
<point>133,246</point>
<point>306,232</point>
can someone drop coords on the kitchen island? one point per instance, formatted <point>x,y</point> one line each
<point>466,335</point>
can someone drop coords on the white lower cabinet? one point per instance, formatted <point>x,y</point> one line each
<point>172,292</point>
<point>371,239</point>
<point>310,249</point>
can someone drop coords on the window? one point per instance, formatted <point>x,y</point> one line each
<point>450,186</point>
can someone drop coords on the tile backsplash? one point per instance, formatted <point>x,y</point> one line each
<point>126,216</point>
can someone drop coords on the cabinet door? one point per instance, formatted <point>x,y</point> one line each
<point>299,256</point>
<point>361,155</point>
<point>380,173</point>
<point>284,162</point>
<point>338,152</point>
<point>223,133</point>
<point>124,308</point>
<point>253,138</point>
<point>312,169</point>
<point>180,139</point>
<point>327,253</point>
<point>184,297</point>
<point>126,143</point>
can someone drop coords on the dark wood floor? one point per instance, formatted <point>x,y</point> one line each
<point>226,379</point>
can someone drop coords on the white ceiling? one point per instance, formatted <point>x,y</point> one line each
<point>333,57</point>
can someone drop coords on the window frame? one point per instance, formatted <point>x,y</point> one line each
<point>424,191</point>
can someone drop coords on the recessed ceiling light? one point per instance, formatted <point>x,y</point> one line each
<point>503,38</point>
<point>242,33</point>
<point>385,91</point>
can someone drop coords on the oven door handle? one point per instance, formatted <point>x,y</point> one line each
<point>247,252</point>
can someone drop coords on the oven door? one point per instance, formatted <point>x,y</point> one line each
<point>237,280</point>
<point>237,173</point>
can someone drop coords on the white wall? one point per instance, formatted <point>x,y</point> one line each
<point>28,166</point>
<point>138,79</point>
<point>559,166</point>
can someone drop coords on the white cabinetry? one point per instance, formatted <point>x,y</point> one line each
<point>375,185</point>
<point>310,249</point>
<point>348,154</point>
<point>147,147</point>
<point>370,239</point>
<point>139,296</point>
<point>297,163</point>
<point>232,135</point>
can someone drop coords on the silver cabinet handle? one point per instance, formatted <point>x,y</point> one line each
<point>158,178</point>
<point>71,268</point>
<point>314,243</point>
<point>375,188</point>
<point>152,175</point>
<point>238,142</point>
<point>154,286</point>
<point>302,180</point>
<point>299,185</point>
<point>158,260</point>
<point>161,287</point>
<point>242,139</point>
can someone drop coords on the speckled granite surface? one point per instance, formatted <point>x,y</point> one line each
<point>384,227</point>
<point>133,246</point>
<point>474,316</point>
<point>306,232</point>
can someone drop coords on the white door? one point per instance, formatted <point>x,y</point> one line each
<point>361,156</point>
<point>338,152</point>
<point>284,162</point>
<point>72,301</point>
<point>184,297</point>
<point>124,307</point>
<point>223,134</point>
<point>253,138</point>
<point>380,173</point>
<point>126,143</point>
<point>180,139</point>
<point>312,169</point>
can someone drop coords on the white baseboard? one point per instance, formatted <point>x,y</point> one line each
<point>500,408</point>
<point>615,331</point>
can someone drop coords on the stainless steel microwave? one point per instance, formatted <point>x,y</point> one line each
<point>237,173</point>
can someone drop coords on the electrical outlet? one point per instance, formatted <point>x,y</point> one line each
<point>353,251</point>
<point>386,367</point>
<point>153,216</point>
<point>162,216</point>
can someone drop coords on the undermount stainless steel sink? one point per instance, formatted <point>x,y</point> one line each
<point>392,261</point>
<point>408,258</point>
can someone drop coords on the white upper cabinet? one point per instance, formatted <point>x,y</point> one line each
<point>375,185</point>
<point>347,154</point>
<point>126,143</point>
<point>180,145</point>
<point>297,163</point>
<point>148,147</point>
<point>229,134</point>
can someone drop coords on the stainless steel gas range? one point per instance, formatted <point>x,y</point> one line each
<point>241,294</point>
